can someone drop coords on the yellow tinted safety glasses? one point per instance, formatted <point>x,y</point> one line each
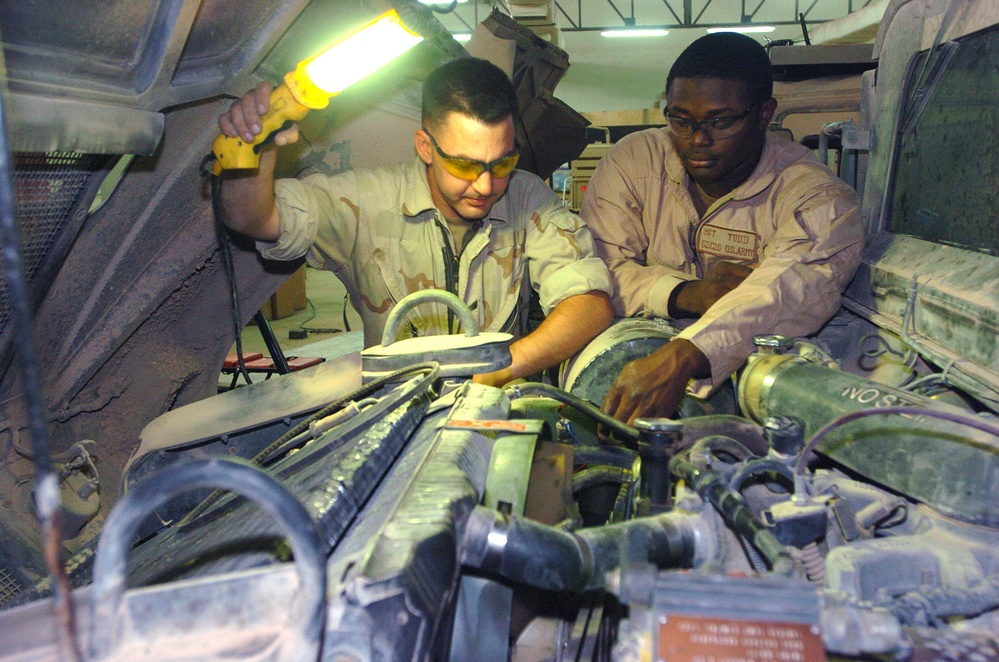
<point>470,169</point>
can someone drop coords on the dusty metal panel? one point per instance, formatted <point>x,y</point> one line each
<point>52,124</point>
<point>942,289</point>
<point>254,405</point>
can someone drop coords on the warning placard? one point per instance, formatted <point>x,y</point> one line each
<point>698,639</point>
<point>505,426</point>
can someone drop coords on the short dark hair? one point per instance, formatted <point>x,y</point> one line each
<point>469,86</point>
<point>729,56</point>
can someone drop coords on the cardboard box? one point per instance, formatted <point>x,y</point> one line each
<point>289,298</point>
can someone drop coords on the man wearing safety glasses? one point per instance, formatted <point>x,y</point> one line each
<point>717,223</point>
<point>458,218</point>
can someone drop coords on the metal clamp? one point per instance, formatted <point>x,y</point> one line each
<point>772,343</point>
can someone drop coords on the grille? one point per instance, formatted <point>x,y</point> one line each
<point>9,588</point>
<point>48,188</point>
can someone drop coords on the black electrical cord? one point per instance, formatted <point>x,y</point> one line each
<point>734,510</point>
<point>47,490</point>
<point>315,313</point>
<point>582,637</point>
<point>223,235</point>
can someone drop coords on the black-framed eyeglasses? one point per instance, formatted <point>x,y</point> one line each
<point>716,127</point>
<point>470,169</point>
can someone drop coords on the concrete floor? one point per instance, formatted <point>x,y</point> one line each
<point>323,321</point>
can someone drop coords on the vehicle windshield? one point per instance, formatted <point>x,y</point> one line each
<point>946,187</point>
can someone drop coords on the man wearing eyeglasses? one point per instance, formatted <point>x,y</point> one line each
<point>459,218</point>
<point>717,223</point>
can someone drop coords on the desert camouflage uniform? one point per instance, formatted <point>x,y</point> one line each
<point>380,233</point>
<point>792,216</point>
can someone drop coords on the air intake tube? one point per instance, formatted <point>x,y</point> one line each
<point>929,451</point>
<point>540,556</point>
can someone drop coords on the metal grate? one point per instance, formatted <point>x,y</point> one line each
<point>9,588</point>
<point>47,189</point>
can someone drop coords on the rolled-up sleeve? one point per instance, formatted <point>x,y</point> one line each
<point>796,288</point>
<point>318,220</point>
<point>298,229</point>
<point>562,259</point>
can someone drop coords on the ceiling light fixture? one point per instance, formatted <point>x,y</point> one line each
<point>744,29</point>
<point>462,36</point>
<point>635,32</point>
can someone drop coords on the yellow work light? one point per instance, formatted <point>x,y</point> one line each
<point>315,80</point>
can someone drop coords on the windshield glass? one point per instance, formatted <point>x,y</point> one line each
<point>946,187</point>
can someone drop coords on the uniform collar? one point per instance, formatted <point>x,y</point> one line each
<point>418,199</point>
<point>763,174</point>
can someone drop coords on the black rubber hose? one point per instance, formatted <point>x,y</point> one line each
<point>754,467</point>
<point>735,511</point>
<point>601,475</point>
<point>615,456</point>
<point>622,431</point>
<point>533,554</point>
<point>703,450</point>
<point>111,560</point>
<point>22,330</point>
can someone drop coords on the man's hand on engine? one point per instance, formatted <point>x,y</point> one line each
<point>653,386</point>
<point>242,120</point>
<point>696,296</point>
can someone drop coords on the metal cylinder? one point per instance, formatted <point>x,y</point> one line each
<point>592,372</point>
<point>951,467</point>
<point>784,435</point>
<point>660,436</point>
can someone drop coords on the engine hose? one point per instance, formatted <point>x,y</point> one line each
<point>735,511</point>
<point>754,467</point>
<point>622,504</point>
<point>536,555</point>
<point>702,451</point>
<point>593,476</point>
<point>615,456</point>
<point>621,431</point>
